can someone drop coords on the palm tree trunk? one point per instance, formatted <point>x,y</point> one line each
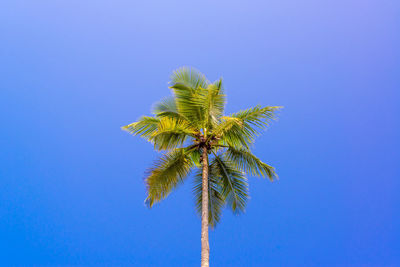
<point>205,247</point>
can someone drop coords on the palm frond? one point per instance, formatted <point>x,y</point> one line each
<point>234,183</point>
<point>196,98</point>
<point>144,127</point>
<point>167,108</point>
<point>167,173</point>
<point>241,128</point>
<point>213,102</point>
<point>189,77</point>
<point>195,156</point>
<point>230,131</point>
<point>216,200</point>
<point>247,162</point>
<point>257,117</point>
<point>187,103</point>
<point>171,133</point>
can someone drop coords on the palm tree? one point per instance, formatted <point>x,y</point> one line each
<point>191,128</point>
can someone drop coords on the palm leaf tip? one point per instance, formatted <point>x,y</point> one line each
<point>126,127</point>
<point>190,77</point>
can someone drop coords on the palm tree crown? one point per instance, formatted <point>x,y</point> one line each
<point>191,121</point>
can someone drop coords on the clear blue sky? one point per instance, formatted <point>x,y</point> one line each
<point>71,182</point>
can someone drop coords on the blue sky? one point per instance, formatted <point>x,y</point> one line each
<point>71,182</point>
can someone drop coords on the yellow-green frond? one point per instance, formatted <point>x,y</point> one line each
<point>257,117</point>
<point>190,77</point>
<point>168,172</point>
<point>198,100</point>
<point>144,127</point>
<point>247,162</point>
<point>235,187</point>
<point>171,133</point>
<point>212,101</point>
<point>230,131</point>
<point>240,129</point>
<point>226,123</point>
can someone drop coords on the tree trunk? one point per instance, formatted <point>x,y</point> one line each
<point>205,247</point>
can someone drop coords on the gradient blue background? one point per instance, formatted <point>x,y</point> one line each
<point>73,72</point>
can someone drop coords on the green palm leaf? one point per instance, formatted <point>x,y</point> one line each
<point>247,162</point>
<point>231,132</point>
<point>144,127</point>
<point>212,101</point>
<point>189,77</point>
<point>256,118</point>
<point>187,103</point>
<point>235,185</point>
<point>167,108</point>
<point>171,133</point>
<point>241,128</point>
<point>167,173</point>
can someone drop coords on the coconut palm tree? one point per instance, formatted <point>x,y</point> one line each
<point>192,130</point>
